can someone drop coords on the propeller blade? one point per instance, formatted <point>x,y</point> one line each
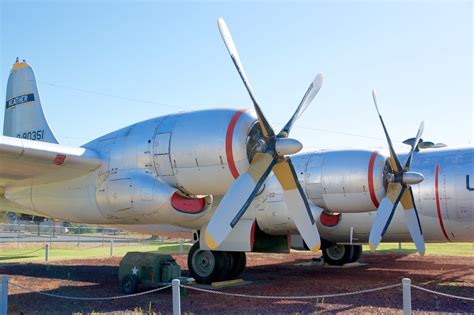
<point>385,214</point>
<point>426,145</point>
<point>399,191</point>
<point>308,97</point>
<point>393,155</point>
<point>267,129</point>
<point>414,146</point>
<point>237,199</point>
<point>440,145</point>
<point>297,204</point>
<point>412,220</point>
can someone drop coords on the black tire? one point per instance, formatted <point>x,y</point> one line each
<point>128,284</point>
<point>357,253</point>
<point>227,261</point>
<point>338,255</point>
<point>239,263</point>
<point>205,266</point>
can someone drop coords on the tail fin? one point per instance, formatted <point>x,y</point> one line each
<point>24,117</point>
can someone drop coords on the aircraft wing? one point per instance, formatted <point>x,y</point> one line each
<point>25,161</point>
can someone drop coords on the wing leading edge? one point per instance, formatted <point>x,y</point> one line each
<point>26,161</point>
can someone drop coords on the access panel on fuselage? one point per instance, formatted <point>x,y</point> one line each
<point>161,154</point>
<point>119,195</point>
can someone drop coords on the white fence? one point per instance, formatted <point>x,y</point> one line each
<point>46,236</point>
<point>47,249</point>
<point>54,232</point>
<point>176,294</point>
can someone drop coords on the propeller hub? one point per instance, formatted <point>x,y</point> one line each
<point>390,177</point>
<point>287,146</point>
<point>412,178</point>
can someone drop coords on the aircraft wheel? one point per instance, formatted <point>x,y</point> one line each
<point>357,253</point>
<point>338,255</point>
<point>205,266</point>
<point>239,263</point>
<point>227,261</point>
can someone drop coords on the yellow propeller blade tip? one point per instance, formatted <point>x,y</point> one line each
<point>211,243</point>
<point>372,247</point>
<point>316,247</point>
<point>422,253</point>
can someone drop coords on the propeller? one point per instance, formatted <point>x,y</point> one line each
<point>273,155</point>
<point>399,190</point>
<point>425,144</point>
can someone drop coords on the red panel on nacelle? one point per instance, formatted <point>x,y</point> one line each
<point>330,219</point>
<point>188,205</point>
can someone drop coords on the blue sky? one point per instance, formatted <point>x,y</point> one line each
<point>102,65</point>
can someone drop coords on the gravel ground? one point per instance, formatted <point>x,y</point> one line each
<point>271,274</point>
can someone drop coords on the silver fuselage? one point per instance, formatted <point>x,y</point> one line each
<point>199,154</point>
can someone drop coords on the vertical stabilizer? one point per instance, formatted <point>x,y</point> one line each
<point>24,117</point>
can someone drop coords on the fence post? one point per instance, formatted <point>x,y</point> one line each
<point>4,296</point>
<point>79,236</point>
<point>176,297</point>
<point>111,248</point>
<point>406,286</point>
<point>180,246</point>
<point>46,252</point>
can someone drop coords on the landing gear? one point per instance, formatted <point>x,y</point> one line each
<point>357,253</point>
<point>207,266</point>
<point>338,255</point>
<point>239,261</point>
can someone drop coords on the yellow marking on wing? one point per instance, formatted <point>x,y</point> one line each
<point>285,176</point>
<point>211,243</point>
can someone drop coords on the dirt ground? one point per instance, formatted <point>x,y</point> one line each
<point>270,275</point>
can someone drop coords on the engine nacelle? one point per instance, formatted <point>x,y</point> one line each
<point>337,181</point>
<point>346,180</point>
<point>203,152</point>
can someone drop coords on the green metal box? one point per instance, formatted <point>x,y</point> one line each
<point>147,268</point>
<point>170,271</point>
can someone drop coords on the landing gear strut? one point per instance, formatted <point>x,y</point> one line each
<point>207,266</point>
<point>338,255</point>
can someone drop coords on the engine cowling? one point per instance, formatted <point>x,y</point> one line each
<point>203,152</point>
<point>346,180</point>
<point>337,181</point>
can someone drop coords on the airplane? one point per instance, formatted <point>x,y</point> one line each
<point>226,178</point>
